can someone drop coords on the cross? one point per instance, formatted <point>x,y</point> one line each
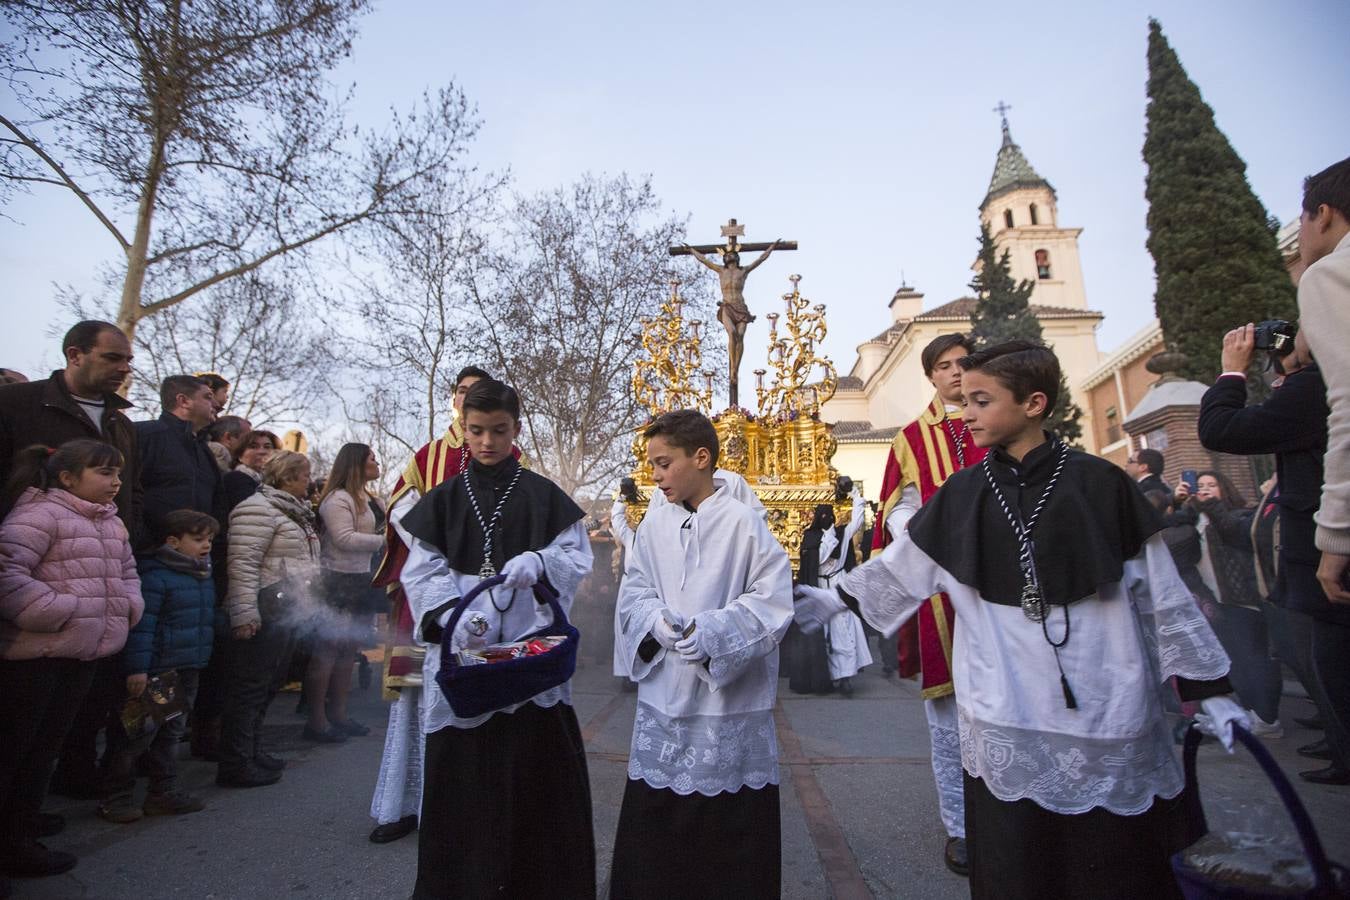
<point>732,311</point>
<point>731,231</point>
<point>1002,110</point>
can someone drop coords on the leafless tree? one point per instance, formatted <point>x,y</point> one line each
<point>556,307</point>
<point>204,135</point>
<point>412,309</point>
<point>263,335</point>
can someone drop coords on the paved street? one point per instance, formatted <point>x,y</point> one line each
<point>859,809</point>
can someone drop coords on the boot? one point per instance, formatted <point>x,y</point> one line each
<point>119,808</point>
<point>172,803</point>
<point>247,777</point>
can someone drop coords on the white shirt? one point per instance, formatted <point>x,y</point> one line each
<point>93,409</point>
<point>1115,750</point>
<point>429,582</point>
<point>706,729</point>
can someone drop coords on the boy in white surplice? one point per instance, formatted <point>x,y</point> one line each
<point>703,605</point>
<point>1069,617</point>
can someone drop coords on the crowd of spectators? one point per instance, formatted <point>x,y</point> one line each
<point>157,578</point>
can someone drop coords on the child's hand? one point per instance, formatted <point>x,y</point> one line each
<point>523,571</point>
<point>691,648</point>
<point>815,606</point>
<point>245,631</point>
<point>136,684</point>
<point>666,632</point>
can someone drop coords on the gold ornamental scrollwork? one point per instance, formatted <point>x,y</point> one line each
<point>784,451</point>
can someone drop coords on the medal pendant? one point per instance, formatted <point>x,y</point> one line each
<point>1032,603</point>
<point>486,570</point>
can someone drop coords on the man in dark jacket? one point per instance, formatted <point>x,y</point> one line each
<point>1146,467</point>
<point>79,401</point>
<point>1292,424</point>
<point>178,470</point>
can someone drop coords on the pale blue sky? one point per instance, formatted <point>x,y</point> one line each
<point>863,130</point>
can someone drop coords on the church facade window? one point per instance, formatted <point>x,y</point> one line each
<point>1008,218</point>
<point>1035,220</point>
<point>1043,265</point>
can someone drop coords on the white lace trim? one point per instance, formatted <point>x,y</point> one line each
<point>946,744</point>
<point>1072,774</point>
<point>705,754</point>
<point>398,792</point>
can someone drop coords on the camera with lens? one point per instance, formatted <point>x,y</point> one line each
<point>628,490</point>
<point>1276,336</point>
<point>843,486</point>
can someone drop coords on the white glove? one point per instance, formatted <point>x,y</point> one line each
<point>668,629</point>
<point>815,606</point>
<point>523,571</point>
<point>691,648</point>
<point>1218,718</point>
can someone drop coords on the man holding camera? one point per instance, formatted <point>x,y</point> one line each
<point>1292,424</point>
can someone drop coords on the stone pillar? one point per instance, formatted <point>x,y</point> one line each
<point>1165,420</point>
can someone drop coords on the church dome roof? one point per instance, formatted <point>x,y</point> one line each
<point>1012,171</point>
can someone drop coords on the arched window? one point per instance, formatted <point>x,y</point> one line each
<point>1043,264</point>
<point>1007,218</point>
<point>1034,219</point>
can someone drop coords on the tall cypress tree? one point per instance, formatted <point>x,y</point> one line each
<point>1003,313</point>
<point>1213,247</point>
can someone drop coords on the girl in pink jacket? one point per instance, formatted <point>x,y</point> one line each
<point>69,593</point>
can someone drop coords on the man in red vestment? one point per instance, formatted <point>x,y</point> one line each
<point>398,791</point>
<point>925,453</point>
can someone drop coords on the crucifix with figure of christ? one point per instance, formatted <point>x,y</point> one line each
<point>732,311</point>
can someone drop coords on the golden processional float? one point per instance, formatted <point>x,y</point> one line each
<point>783,449</point>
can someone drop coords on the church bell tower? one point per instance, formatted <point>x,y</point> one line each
<point>1020,210</point>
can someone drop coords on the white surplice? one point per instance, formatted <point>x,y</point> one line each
<point>429,582</point>
<point>706,728</point>
<point>848,651</point>
<point>1115,750</point>
<point>736,487</point>
<point>398,788</point>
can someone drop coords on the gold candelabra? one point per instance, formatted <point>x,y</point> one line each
<point>667,378</point>
<point>784,450</point>
<point>793,358</point>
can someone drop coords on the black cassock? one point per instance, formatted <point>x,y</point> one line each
<point>506,804</point>
<point>729,845</point>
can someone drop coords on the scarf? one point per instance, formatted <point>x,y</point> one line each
<point>181,562</point>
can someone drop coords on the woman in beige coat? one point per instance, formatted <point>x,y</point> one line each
<point>352,535</point>
<point>273,565</point>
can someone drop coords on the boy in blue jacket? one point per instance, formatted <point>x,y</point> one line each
<point>175,636</point>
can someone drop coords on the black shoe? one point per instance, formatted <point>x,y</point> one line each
<point>247,777</point>
<point>954,855</point>
<point>845,686</point>
<point>351,727</point>
<point>32,860</point>
<point>333,735</point>
<point>48,824</point>
<point>1313,722</point>
<point>268,762</point>
<point>1316,750</point>
<point>383,834</point>
<point>1329,775</point>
